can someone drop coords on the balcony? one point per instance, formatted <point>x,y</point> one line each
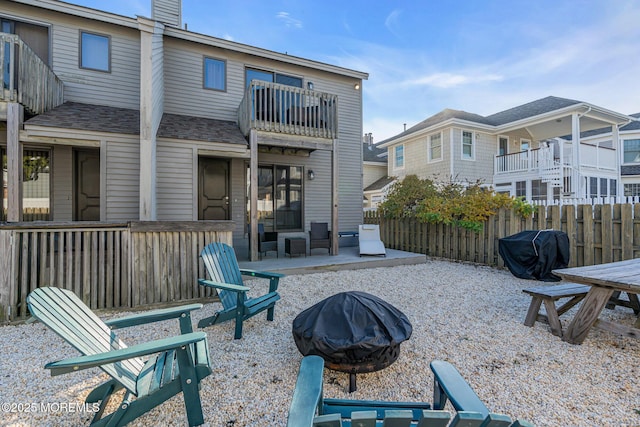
<point>25,78</point>
<point>273,107</point>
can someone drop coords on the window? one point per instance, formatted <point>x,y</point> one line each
<point>632,189</point>
<point>399,156</point>
<point>36,185</point>
<point>95,52</point>
<point>524,144</point>
<point>613,187</point>
<point>632,151</point>
<point>435,147</point>
<point>467,145</point>
<point>215,75</point>
<point>521,189</point>
<point>538,190</point>
<point>593,187</point>
<point>503,144</point>
<point>603,187</point>
<point>268,76</point>
<point>279,197</point>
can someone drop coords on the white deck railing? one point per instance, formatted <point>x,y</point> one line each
<point>286,109</point>
<point>25,78</point>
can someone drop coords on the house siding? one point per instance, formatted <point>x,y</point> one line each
<point>168,11</point>
<point>123,180</point>
<point>175,183</point>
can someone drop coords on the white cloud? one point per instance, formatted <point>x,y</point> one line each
<point>391,21</point>
<point>289,21</point>
<point>448,80</point>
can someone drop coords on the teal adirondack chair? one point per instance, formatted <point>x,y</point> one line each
<point>175,365</point>
<point>226,277</point>
<point>310,409</point>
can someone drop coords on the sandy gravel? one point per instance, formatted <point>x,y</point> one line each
<point>466,314</point>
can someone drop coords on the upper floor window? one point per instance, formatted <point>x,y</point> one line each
<point>503,145</point>
<point>215,74</point>
<point>95,51</point>
<point>399,156</point>
<point>272,77</point>
<point>435,147</point>
<point>632,151</point>
<point>467,145</point>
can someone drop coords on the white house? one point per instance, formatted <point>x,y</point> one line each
<point>537,150</point>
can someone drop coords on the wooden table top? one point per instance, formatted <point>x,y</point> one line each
<point>620,275</point>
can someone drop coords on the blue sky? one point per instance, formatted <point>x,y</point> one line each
<point>423,56</point>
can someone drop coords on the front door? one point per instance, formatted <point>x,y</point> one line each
<point>213,189</point>
<point>86,185</point>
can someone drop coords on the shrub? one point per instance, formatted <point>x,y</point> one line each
<point>466,206</point>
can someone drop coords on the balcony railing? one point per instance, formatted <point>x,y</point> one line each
<point>517,162</point>
<point>278,108</point>
<point>25,78</point>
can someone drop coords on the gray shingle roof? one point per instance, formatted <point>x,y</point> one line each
<point>380,184</point>
<point>98,118</point>
<point>200,129</point>
<point>442,116</point>
<point>371,153</point>
<point>530,109</point>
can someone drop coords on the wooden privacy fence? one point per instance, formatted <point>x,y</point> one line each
<point>108,265</point>
<point>597,234</point>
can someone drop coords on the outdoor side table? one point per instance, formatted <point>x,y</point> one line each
<point>295,246</point>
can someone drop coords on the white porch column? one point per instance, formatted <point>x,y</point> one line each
<point>617,145</point>
<point>15,117</point>
<point>253,194</point>
<point>334,199</point>
<point>575,143</point>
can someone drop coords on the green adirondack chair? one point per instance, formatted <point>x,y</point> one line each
<point>175,365</point>
<point>226,277</point>
<point>310,409</point>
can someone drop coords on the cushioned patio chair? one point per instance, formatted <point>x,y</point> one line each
<point>319,237</point>
<point>369,240</point>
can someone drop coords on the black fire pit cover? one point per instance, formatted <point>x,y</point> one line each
<point>532,254</point>
<point>349,327</point>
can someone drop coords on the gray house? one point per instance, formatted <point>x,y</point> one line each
<point>140,119</point>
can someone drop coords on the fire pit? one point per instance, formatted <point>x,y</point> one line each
<point>354,332</point>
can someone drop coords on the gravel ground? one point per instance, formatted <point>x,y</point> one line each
<point>468,315</point>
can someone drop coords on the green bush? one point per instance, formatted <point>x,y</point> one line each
<point>466,206</point>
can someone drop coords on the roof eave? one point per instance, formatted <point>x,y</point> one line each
<point>453,122</point>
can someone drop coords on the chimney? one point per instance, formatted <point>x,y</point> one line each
<point>405,127</point>
<point>169,12</point>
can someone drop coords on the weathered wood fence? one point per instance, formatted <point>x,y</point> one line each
<point>108,265</point>
<point>597,234</point>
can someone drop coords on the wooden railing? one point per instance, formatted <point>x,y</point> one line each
<point>286,109</point>
<point>108,265</point>
<point>597,234</point>
<point>25,78</point>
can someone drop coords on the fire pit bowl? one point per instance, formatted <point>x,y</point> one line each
<point>353,332</point>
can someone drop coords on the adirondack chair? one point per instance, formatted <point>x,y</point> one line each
<point>310,409</point>
<point>226,277</point>
<point>176,364</point>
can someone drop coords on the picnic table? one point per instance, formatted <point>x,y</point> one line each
<point>604,280</point>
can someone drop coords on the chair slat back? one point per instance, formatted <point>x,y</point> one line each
<point>369,232</point>
<point>63,312</point>
<point>222,266</point>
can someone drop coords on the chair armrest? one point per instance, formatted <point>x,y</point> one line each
<point>261,274</point>
<point>449,384</point>
<point>225,286</point>
<point>152,316</point>
<point>95,360</point>
<point>307,394</point>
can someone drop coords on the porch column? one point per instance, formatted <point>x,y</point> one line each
<point>15,117</point>
<point>151,109</point>
<point>575,143</point>
<point>253,194</point>
<point>615,141</point>
<point>334,199</point>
